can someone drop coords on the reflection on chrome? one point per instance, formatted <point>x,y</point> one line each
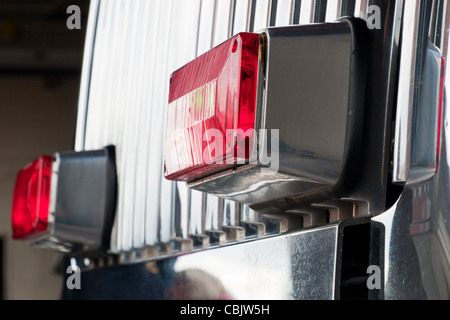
<point>196,284</point>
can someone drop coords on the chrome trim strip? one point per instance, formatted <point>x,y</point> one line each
<point>205,28</point>
<point>144,217</point>
<point>307,11</point>
<point>272,12</point>
<point>320,11</point>
<point>333,10</point>
<point>241,10</point>
<point>295,12</point>
<point>83,98</point>
<point>251,15</point>
<point>406,91</point>
<point>222,13</point>
<point>261,15</point>
<point>284,12</point>
<point>361,8</point>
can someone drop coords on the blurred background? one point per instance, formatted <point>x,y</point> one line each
<point>40,70</point>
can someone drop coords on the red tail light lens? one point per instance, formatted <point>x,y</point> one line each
<point>211,112</point>
<point>31,199</point>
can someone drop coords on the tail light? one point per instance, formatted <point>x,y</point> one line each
<point>31,200</point>
<point>212,103</point>
<point>271,115</point>
<point>67,201</point>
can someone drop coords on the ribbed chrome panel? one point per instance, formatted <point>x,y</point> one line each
<point>136,46</point>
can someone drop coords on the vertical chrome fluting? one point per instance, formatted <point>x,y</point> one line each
<point>123,99</point>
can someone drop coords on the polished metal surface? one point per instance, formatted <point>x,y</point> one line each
<point>82,202</point>
<point>303,137</point>
<point>410,232</point>
<point>83,97</point>
<point>408,85</point>
<point>414,232</point>
<point>290,260</point>
<point>424,133</point>
<point>299,265</point>
<point>122,102</point>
